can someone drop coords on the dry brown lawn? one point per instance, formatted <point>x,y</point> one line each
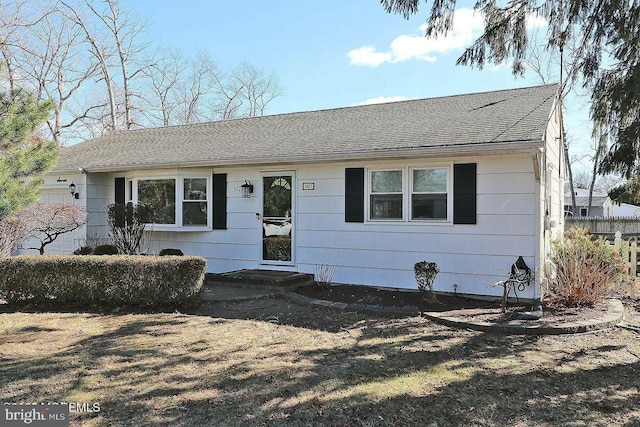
<point>273,362</point>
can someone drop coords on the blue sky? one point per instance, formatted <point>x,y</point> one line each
<point>334,53</point>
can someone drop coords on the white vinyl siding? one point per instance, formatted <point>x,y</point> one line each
<point>377,253</point>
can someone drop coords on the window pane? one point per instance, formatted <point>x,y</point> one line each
<point>386,182</point>
<point>429,206</point>
<point>277,196</point>
<point>430,180</point>
<point>158,196</point>
<point>195,189</point>
<point>194,213</point>
<point>387,206</point>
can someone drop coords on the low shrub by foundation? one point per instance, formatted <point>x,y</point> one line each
<point>107,281</point>
<point>105,250</point>
<point>586,270</point>
<point>84,250</point>
<point>170,251</point>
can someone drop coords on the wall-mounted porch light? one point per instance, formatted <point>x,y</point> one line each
<point>72,190</point>
<point>247,189</point>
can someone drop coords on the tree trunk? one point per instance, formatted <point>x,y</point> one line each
<point>599,149</point>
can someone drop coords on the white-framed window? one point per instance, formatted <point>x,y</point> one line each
<point>180,201</point>
<point>386,198</point>
<point>429,193</point>
<point>413,193</point>
<point>195,205</point>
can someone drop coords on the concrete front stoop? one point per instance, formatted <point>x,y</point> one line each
<point>260,279</point>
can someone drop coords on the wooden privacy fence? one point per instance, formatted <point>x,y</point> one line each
<point>604,226</point>
<point>628,250</point>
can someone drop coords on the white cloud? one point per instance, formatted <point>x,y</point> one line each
<point>382,100</point>
<point>467,26</point>
<point>367,55</point>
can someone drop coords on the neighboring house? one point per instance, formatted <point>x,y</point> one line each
<point>470,182</point>
<point>625,210</point>
<point>601,204</point>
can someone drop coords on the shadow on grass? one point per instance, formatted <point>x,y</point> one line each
<point>298,365</point>
<point>343,388</point>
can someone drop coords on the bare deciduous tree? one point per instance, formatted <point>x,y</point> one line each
<point>245,92</point>
<point>91,58</point>
<point>114,37</point>
<point>47,63</point>
<point>102,55</point>
<point>12,230</point>
<point>163,76</point>
<point>195,88</point>
<point>184,91</point>
<point>46,222</point>
<point>126,34</point>
<point>256,89</point>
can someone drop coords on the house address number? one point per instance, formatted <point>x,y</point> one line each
<point>308,185</point>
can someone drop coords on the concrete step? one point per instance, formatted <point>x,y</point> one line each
<point>264,279</point>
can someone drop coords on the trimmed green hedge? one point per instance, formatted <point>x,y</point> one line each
<point>113,280</point>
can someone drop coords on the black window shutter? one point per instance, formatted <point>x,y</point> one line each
<point>219,201</point>
<point>120,195</point>
<point>354,195</point>
<point>464,193</point>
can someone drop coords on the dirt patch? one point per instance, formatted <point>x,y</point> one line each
<point>467,309</point>
<point>368,295</point>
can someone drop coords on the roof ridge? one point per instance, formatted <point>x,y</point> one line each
<point>347,107</point>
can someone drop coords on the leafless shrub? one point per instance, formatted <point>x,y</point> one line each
<point>586,270</point>
<point>95,240</point>
<point>323,275</point>
<point>127,224</point>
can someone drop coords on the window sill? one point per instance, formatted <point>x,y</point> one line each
<point>175,228</point>
<point>411,223</point>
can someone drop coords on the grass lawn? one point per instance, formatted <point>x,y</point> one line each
<point>273,362</point>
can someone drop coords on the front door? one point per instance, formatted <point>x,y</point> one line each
<point>277,218</point>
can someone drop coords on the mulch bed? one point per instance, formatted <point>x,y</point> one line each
<point>467,309</point>
<point>368,295</point>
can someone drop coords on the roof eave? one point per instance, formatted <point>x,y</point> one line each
<point>385,154</point>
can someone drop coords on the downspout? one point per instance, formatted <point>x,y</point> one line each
<point>539,169</point>
<point>84,230</point>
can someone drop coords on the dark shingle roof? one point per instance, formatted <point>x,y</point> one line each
<point>506,116</point>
